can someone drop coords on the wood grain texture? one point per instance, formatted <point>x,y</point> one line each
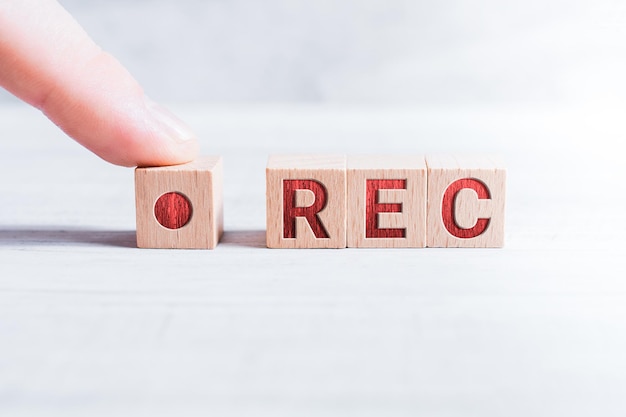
<point>306,201</point>
<point>200,182</point>
<point>466,201</point>
<point>173,210</point>
<point>386,201</point>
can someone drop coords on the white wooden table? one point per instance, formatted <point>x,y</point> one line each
<point>90,325</point>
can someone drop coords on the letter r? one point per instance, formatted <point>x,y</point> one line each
<point>310,213</point>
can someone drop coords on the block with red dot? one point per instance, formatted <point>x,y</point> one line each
<point>466,196</point>
<point>180,206</point>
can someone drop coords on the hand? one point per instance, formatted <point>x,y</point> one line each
<point>48,60</point>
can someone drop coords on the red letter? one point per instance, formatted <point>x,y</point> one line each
<point>448,208</point>
<point>290,211</point>
<point>373,207</point>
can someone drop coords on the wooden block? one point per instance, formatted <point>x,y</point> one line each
<point>180,206</point>
<point>386,201</point>
<point>466,196</point>
<point>306,201</point>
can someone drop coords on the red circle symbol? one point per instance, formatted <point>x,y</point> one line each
<point>172,210</point>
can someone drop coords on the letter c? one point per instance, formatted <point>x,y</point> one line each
<point>448,208</point>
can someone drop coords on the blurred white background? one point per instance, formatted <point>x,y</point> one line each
<point>451,52</point>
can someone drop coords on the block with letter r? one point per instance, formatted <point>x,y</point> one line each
<point>306,201</point>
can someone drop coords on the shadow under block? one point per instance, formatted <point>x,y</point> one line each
<point>180,206</point>
<point>466,196</point>
<point>306,201</point>
<point>386,201</point>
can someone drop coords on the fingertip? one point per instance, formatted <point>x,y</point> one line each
<point>173,140</point>
<point>146,138</point>
<point>171,152</point>
<point>105,110</point>
<point>49,61</point>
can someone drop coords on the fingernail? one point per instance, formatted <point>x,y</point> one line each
<point>169,124</point>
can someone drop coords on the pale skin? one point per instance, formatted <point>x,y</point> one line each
<point>47,60</point>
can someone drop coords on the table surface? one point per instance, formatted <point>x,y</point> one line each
<point>91,325</point>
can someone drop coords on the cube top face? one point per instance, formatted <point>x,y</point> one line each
<point>180,206</point>
<point>307,162</point>
<point>466,199</point>
<point>386,162</point>
<point>201,164</point>
<point>387,201</point>
<point>480,162</point>
<point>306,201</point>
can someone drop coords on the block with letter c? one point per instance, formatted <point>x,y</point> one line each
<point>466,196</point>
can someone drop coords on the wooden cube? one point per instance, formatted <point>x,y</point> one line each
<point>180,206</point>
<point>466,196</point>
<point>386,201</point>
<point>306,201</point>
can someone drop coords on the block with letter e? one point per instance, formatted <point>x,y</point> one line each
<point>386,201</point>
<point>466,196</point>
<point>306,201</point>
